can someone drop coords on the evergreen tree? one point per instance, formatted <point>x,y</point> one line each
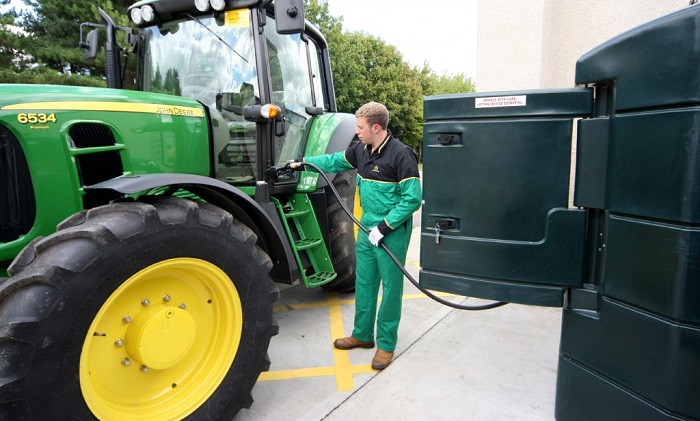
<point>157,83</point>
<point>12,41</point>
<point>172,82</point>
<point>51,32</point>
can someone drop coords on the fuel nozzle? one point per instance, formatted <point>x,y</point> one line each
<point>295,164</point>
<point>275,174</point>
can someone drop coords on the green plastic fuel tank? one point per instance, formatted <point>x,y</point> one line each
<point>616,245</point>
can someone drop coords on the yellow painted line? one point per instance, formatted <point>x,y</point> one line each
<point>341,369</point>
<point>133,107</point>
<point>352,301</point>
<point>413,263</point>
<point>303,373</point>
<point>297,373</point>
<point>364,368</point>
<point>312,305</point>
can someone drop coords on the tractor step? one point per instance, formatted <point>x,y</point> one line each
<point>307,243</point>
<point>308,246</point>
<point>318,279</point>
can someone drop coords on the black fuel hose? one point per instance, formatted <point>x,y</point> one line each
<point>393,257</point>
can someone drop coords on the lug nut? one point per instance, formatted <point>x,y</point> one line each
<point>145,302</point>
<point>182,306</point>
<point>126,319</point>
<point>144,369</point>
<point>126,362</point>
<point>119,342</point>
<point>166,298</point>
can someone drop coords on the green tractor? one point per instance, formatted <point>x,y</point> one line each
<point>142,233</point>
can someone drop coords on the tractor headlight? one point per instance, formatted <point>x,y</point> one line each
<point>218,4</point>
<point>136,16</point>
<point>148,13</point>
<point>202,5</point>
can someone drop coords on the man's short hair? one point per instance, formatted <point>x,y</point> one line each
<point>374,113</point>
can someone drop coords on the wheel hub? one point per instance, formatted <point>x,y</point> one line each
<point>160,337</point>
<point>162,342</point>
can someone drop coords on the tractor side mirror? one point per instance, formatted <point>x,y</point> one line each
<point>289,15</point>
<point>91,45</point>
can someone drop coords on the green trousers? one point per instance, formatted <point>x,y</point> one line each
<point>375,268</point>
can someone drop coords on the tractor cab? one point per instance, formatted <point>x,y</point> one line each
<point>248,66</point>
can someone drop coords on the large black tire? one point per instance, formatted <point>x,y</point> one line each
<point>79,341</point>
<point>342,232</point>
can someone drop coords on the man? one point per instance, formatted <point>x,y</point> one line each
<point>390,191</point>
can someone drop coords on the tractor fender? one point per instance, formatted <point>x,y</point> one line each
<point>330,133</point>
<point>343,135</point>
<point>263,220</point>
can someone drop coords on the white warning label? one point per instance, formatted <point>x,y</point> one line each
<point>501,101</point>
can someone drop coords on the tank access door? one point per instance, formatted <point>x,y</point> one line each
<point>496,221</point>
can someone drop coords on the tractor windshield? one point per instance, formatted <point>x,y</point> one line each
<point>198,58</point>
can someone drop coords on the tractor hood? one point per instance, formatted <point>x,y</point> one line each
<point>52,98</point>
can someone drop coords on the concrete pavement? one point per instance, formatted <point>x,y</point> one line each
<point>496,364</point>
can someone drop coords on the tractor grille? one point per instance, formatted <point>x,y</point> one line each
<point>90,135</point>
<point>98,166</point>
<point>17,204</point>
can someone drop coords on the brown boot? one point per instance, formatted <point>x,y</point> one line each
<point>350,343</point>
<point>382,359</point>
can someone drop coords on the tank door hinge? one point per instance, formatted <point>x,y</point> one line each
<point>584,301</point>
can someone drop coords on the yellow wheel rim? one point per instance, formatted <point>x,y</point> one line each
<point>162,343</point>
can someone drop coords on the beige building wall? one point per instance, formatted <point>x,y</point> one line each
<point>535,43</point>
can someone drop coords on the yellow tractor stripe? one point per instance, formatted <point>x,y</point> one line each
<point>139,107</point>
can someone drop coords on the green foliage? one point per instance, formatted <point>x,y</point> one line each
<point>51,32</point>
<point>44,75</point>
<point>12,42</point>
<point>449,84</point>
<point>317,12</point>
<point>367,69</point>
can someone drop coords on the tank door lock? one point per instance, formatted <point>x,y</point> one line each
<point>446,223</point>
<point>447,139</point>
<point>443,224</point>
